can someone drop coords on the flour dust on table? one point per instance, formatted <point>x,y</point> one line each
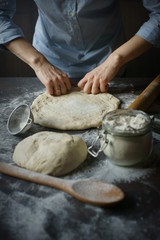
<point>100,168</point>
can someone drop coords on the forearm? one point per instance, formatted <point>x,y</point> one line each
<point>130,50</point>
<point>55,81</point>
<point>26,52</point>
<point>97,80</point>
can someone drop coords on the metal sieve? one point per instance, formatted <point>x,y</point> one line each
<point>20,120</point>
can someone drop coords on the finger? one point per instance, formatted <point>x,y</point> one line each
<point>57,87</point>
<point>82,83</point>
<point>103,86</point>
<point>67,82</point>
<point>88,86</point>
<point>57,92</point>
<point>49,88</point>
<point>62,86</point>
<point>95,87</point>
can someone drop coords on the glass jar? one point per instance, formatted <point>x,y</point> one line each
<point>125,137</point>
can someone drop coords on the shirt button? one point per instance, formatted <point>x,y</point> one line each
<point>72,13</point>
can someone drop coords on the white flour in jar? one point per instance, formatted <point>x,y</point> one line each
<point>127,123</point>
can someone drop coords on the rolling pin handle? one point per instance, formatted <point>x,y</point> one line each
<point>148,96</point>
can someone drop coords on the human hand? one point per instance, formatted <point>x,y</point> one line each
<point>97,80</point>
<point>56,82</point>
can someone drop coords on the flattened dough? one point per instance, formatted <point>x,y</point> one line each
<point>50,153</point>
<point>73,111</point>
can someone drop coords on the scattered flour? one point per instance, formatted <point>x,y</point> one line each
<point>100,168</point>
<point>50,217</point>
<point>49,213</point>
<point>30,218</point>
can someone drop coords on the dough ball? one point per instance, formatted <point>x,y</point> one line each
<point>73,111</point>
<point>50,153</point>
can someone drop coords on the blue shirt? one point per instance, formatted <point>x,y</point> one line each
<point>78,35</point>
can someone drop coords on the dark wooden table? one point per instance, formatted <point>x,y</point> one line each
<point>30,211</point>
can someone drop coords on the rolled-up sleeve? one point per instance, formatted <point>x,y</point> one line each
<point>150,30</point>
<point>8,29</point>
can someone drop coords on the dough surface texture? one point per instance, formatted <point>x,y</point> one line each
<point>50,153</point>
<point>73,111</point>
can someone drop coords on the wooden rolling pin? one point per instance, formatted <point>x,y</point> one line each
<point>148,96</point>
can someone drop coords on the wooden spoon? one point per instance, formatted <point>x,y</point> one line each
<point>87,190</point>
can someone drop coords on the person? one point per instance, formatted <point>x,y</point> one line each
<point>78,42</point>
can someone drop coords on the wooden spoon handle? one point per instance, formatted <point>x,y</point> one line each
<point>147,97</point>
<point>35,177</point>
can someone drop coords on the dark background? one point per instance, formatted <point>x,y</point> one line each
<point>133,14</point>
